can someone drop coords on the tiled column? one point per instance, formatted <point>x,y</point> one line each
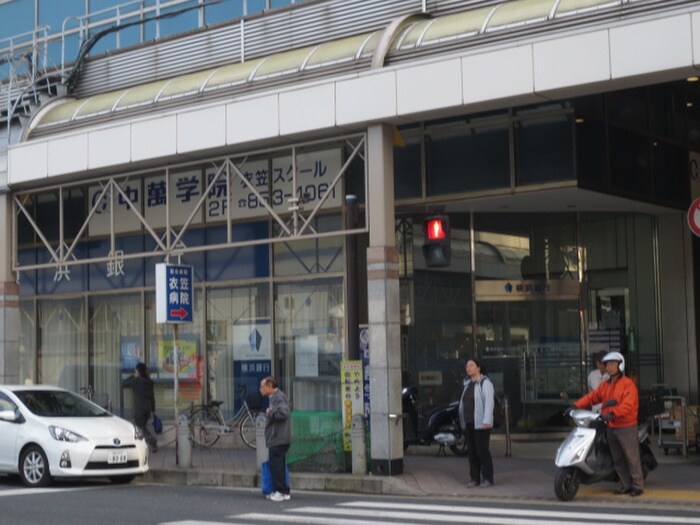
<point>9,299</point>
<point>383,308</point>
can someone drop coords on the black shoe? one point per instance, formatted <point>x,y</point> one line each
<point>635,492</point>
<point>623,490</point>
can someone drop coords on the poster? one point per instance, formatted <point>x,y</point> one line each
<point>130,352</point>
<point>364,356</point>
<point>306,356</point>
<point>252,356</point>
<point>351,396</point>
<point>187,357</point>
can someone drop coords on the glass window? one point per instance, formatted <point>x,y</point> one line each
<point>239,343</point>
<point>630,163</point>
<point>544,150</point>
<point>74,277</point>
<point>226,10</point>
<point>407,165</point>
<point>124,273</point>
<point>159,357</point>
<point>27,279</point>
<point>309,342</point>
<point>17,18</point>
<point>238,263</point>
<point>62,351</point>
<point>310,256</point>
<point>116,345</point>
<point>671,181</point>
<point>47,216</point>
<point>27,342</point>
<point>591,152</point>
<point>628,108</point>
<point>465,157</point>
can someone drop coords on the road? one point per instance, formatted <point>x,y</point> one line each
<point>97,502</point>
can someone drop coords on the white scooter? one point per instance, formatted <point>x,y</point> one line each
<point>584,457</point>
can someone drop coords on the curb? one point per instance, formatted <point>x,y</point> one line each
<point>300,481</point>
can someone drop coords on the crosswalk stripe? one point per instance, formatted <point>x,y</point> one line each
<point>289,518</point>
<point>588,516</point>
<point>404,517</point>
<point>33,491</point>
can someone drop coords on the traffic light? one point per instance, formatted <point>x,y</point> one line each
<point>436,248</point>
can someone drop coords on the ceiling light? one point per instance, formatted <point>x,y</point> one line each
<point>579,120</point>
<point>689,104</point>
<point>693,79</point>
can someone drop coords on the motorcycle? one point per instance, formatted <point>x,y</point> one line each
<point>442,428</point>
<point>584,457</point>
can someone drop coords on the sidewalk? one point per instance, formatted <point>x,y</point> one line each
<point>528,474</point>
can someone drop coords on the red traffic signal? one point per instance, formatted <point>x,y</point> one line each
<point>435,229</point>
<point>436,248</point>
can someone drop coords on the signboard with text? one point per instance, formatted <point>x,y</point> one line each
<point>351,397</point>
<point>174,293</point>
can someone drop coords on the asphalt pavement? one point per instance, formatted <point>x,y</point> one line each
<point>528,474</point>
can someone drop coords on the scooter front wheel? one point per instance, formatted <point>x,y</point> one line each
<point>566,483</point>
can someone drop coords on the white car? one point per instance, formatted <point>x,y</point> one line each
<point>48,432</point>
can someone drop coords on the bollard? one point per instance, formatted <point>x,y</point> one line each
<point>359,450</point>
<point>506,409</point>
<point>261,452</point>
<point>184,445</point>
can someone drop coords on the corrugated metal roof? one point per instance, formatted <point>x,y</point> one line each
<point>327,57</point>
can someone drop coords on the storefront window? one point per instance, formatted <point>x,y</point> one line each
<point>116,345</point>
<point>63,347</point>
<point>309,341</point>
<point>159,356</point>
<point>239,342</point>
<point>27,342</point>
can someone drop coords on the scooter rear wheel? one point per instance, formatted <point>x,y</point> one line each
<point>566,483</point>
<point>460,446</point>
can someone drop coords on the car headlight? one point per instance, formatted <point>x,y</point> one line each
<point>138,434</point>
<point>63,434</point>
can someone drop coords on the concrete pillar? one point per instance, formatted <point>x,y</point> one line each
<point>383,307</point>
<point>9,299</point>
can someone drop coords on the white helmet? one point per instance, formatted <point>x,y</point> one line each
<point>615,356</point>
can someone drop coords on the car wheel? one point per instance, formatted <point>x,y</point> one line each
<point>34,467</point>
<point>119,480</point>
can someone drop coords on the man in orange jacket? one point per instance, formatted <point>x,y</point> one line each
<point>622,422</point>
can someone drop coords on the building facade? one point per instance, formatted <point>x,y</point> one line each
<point>559,137</point>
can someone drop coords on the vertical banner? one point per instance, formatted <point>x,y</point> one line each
<point>364,356</point>
<point>351,395</point>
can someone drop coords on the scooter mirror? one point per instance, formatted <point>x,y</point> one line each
<point>610,403</point>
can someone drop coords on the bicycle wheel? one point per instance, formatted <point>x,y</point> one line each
<point>202,420</point>
<point>247,429</point>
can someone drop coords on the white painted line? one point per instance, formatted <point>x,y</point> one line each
<point>32,491</point>
<point>405,516</point>
<point>311,520</point>
<point>588,516</point>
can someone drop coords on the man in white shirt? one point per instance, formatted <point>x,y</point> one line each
<point>597,376</point>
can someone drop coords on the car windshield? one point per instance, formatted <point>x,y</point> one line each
<point>57,403</point>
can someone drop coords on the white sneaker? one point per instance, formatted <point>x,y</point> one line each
<point>286,497</point>
<point>277,496</point>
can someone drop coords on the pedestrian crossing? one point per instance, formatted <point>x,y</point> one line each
<point>386,512</point>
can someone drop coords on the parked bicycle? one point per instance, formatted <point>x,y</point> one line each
<point>208,423</point>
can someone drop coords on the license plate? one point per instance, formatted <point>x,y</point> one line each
<point>116,457</point>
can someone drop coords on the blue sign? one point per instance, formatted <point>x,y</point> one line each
<point>174,293</point>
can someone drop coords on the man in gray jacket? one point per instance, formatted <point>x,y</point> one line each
<point>278,435</point>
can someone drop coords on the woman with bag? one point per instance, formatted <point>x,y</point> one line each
<point>476,418</point>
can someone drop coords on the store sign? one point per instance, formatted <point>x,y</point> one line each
<point>183,191</point>
<point>124,218</point>
<point>315,174</point>
<point>526,290</point>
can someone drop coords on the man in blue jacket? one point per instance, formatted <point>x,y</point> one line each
<point>277,436</point>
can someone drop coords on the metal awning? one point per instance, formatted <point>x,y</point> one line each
<point>411,35</point>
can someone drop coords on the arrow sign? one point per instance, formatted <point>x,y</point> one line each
<point>180,313</point>
<point>174,293</point>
